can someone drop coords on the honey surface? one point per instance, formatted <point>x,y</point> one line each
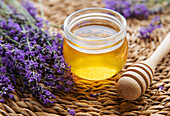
<point>95,66</point>
<point>94,31</point>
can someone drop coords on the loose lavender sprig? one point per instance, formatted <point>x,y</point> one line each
<point>160,88</point>
<point>94,95</point>
<point>128,8</point>
<point>137,8</point>
<point>71,112</point>
<point>32,55</point>
<point>145,32</point>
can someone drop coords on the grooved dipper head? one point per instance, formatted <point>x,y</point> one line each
<point>134,81</point>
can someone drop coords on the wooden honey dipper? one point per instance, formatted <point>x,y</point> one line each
<point>138,77</point>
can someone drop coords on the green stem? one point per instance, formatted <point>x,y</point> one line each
<point>22,10</point>
<point>19,76</point>
<point>49,43</point>
<point>4,14</point>
<point>5,6</point>
<point>26,37</point>
<point>28,43</point>
<point>21,21</point>
<point>8,37</point>
<point>41,9</point>
<point>56,26</point>
<point>4,30</point>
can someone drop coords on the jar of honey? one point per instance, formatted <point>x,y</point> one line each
<point>95,45</point>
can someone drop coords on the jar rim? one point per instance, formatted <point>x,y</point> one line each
<point>122,29</point>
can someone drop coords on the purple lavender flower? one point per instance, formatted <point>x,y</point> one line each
<point>59,87</point>
<point>6,86</point>
<point>71,112</point>
<point>128,8</point>
<point>67,89</point>
<point>160,88</point>
<point>145,32</point>
<point>31,56</point>
<point>30,7</point>
<point>2,100</point>
<point>140,10</point>
<point>40,22</point>
<point>69,82</point>
<point>42,94</point>
<point>58,35</point>
<point>94,95</point>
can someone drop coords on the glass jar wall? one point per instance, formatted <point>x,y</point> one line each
<point>95,45</point>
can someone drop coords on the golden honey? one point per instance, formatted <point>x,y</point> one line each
<point>95,61</point>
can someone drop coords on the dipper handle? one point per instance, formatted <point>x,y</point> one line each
<point>159,53</point>
<point>138,77</point>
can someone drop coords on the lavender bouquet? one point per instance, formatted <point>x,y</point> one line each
<point>29,54</point>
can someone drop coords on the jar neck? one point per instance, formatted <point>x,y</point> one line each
<point>95,16</point>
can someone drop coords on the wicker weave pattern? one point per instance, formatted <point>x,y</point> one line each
<point>106,101</point>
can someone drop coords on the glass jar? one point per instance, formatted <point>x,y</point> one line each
<point>95,45</point>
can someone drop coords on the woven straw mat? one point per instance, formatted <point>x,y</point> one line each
<point>107,102</point>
